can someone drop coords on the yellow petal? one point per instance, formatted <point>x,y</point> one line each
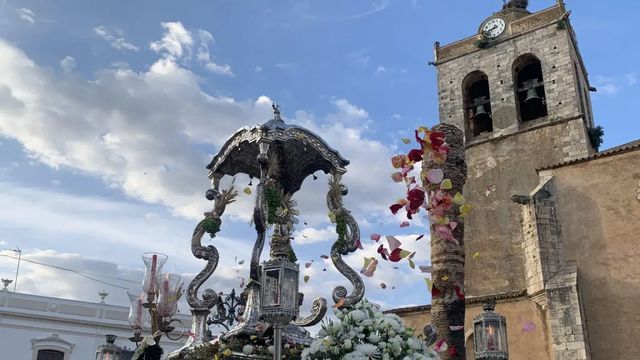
<point>446,184</point>
<point>247,190</point>
<point>429,283</point>
<point>476,255</point>
<point>458,199</point>
<point>332,217</point>
<point>406,141</point>
<point>465,209</point>
<point>445,278</point>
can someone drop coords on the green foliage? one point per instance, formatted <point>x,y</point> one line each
<point>562,24</point>
<point>274,200</point>
<point>292,255</point>
<point>596,135</point>
<point>211,226</point>
<point>341,227</point>
<point>482,43</point>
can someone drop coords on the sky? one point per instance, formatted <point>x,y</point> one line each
<point>110,111</point>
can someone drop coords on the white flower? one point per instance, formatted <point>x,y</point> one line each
<point>247,349</point>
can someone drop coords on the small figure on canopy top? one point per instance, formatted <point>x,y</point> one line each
<point>520,4</point>
<point>276,110</point>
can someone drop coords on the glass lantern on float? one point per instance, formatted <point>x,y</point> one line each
<point>138,316</point>
<point>279,297</point>
<point>153,263</point>
<point>109,351</point>
<point>169,292</point>
<point>490,334</point>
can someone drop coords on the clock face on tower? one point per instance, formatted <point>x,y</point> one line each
<point>494,28</point>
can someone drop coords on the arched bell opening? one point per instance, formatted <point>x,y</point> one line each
<point>530,92</point>
<point>477,103</point>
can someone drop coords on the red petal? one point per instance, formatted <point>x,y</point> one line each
<point>415,155</point>
<point>453,351</point>
<point>419,139</point>
<point>420,237</point>
<point>435,292</point>
<point>359,244</point>
<point>395,208</point>
<point>459,293</point>
<point>395,255</point>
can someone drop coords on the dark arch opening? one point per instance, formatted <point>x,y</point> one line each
<point>50,355</point>
<point>530,93</point>
<point>477,103</point>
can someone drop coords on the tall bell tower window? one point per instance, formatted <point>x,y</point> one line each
<point>530,94</point>
<point>477,103</point>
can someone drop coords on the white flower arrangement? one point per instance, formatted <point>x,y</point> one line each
<point>366,333</point>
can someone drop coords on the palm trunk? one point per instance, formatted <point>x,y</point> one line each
<point>447,258</point>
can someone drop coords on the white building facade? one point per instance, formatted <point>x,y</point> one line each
<point>36,327</point>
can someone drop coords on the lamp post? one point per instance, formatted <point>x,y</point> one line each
<point>279,297</point>
<point>161,292</point>
<point>490,334</point>
<point>109,351</point>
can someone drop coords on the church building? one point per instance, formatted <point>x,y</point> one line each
<point>555,235</point>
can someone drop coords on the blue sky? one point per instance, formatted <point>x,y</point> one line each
<point>109,112</point>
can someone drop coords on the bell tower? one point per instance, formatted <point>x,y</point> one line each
<point>519,90</point>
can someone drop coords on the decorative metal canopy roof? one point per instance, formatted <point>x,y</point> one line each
<point>304,153</point>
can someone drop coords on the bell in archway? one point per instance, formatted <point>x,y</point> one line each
<point>482,119</point>
<point>532,97</point>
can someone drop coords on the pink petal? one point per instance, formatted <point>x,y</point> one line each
<point>393,243</point>
<point>404,224</point>
<point>435,176</point>
<point>375,237</point>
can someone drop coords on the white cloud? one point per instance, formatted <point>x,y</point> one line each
<point>26,15</point>
<point>115,42</point>
<point>175,42</point>
<point>381,69</point>
<point>312,235</point>
<point>68,64</point>
<point>178,43</point>
<point>612,85</point>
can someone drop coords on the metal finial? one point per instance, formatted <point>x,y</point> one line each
<point>276,111</point>
<point>520,4</point>
<point>6,283</point>
<point>103,295</point>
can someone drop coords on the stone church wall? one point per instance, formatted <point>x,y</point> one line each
<point>600,215</point>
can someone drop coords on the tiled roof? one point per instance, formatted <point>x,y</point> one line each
<point>634,145</point>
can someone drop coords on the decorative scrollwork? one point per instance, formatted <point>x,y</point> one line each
<point>430,334</point>
<point>208,253</point>
<point>347,242</point>
<point>318,311</point>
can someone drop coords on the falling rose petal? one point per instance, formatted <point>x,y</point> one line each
<point>412,255</point>
<point>465,210</point>
<point>476,255</point>
<point>459,293</point>
<point>398,161</point>
<point>445,278</point>
<point>395,208</point>
<point>393,288</point>
<point>240,262</point>
<point>332,217</point>
<point>435,292</point>
<point>440,346</point>
<point>325,269</point>
<point>459,199</point>
<point>247,190</point>
<point>383,285</point>
<point>452,351</point>
<point>528,327</point>
<point>359,244</point>
<point>429,283</point>
<point>393,243</point>
<point>324,257</point>
<point>411,264</point>
<point>446,184</point>
<point>404,224</point>
<point>415,155</point>
<point>396,268</point>
<point>419,237</point>
<point>456,327</point>
<point>435,176</point>
<point>425,268</point>
<point>375,237</point>
<point>406,170</point>
<point>367,262</point>
<point>383,252</point>
<point>453,225</point>
<point>443,232</point>
<point>406,141</point>
<point>339,303</point>
<point>307,265</point>
<point>397,177</point>
<point>369,268</point>
<point>306,279</point>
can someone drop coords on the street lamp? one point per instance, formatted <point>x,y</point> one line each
<point>279,297</point>
<point>490,334</point>
<point>161,292</point>
<point>109,351</point>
